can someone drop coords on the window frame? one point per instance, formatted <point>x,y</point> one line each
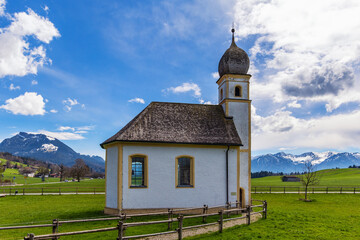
<point>240,90</point>
<point>192,172</point>
<point>130,160</point>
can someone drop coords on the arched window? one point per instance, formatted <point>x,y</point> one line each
<point>138,171</point>
<point>184,171</point>
<point>221,94</point>
<point>238,91</point>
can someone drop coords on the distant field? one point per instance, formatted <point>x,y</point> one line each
<point>328,217</point>
<point>347,177</point>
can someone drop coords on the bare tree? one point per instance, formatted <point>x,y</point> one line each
<point>79,169</point>
<point>309,177</point>
<point>63,171</point>
<point>2,169</point>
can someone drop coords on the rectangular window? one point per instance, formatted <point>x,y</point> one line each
<point>138,168</point>
<point>185,172</point>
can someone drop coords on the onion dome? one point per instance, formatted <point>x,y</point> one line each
<point>234,61</point>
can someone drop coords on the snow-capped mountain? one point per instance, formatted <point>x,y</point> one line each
<point>283,162</point>
<point>47,149</point>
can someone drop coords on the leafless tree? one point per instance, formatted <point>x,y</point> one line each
<point>79,169</point>
<point>2,169</point>
<point>310,177</point>
<point>63,171</point>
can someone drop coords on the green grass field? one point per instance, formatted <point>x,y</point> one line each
<point>347,177</point>
<point>334,216</point>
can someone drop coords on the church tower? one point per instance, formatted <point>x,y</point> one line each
<point>234,89</point>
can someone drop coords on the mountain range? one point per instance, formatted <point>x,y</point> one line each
<point>287,163</point>
<point>47,149</point>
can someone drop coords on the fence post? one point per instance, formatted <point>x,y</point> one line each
<point>270,189</point>
<point>42,191</point>
<point>180,221</point>
<point>265,209</point>
<point>170,217</point>
<point>248,210</point>
<point>30,236</point>
<point>341,190</point>
<point>120,230</point>
<point>354,190</point>
<point>55,228</point>
<point>204,212</point>
<point>237,206</point>
<point>221,220</point>
<point>23,191</point>
<point>327,189</point>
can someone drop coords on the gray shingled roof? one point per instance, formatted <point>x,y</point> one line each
<point>163,122</point>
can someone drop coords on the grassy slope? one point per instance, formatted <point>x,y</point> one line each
<point>328,217</point>
<point>332,216</point>
<point>329,177</point>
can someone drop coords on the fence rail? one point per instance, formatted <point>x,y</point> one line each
<point>317,189</point>
<point>122,225</point>
<point>51,190</point>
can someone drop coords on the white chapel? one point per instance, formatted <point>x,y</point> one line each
<point>177,155</point>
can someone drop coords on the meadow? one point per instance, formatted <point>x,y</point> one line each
<point>334,216</point>
<point>346,177</point>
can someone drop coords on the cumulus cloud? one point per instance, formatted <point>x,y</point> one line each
<point>30,103</point>
<point>283,130</point>
<point>215,75</point>
<point>53,111</point>
<point>294,104</point>
<point>19,57</point>
<point>34,82</point>
<point>137,100</point>
<point>310,53</point>
<point>12,87</point>
<point>66,128</point>
<point>186,87</point>
<point>69,103</point>
<point>2,7</point>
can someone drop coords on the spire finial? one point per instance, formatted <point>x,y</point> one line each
<point>233,31</point>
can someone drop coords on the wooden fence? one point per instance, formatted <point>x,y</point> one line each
<point>51,190</point>
<point>317,189</point>
<point>122,225</point>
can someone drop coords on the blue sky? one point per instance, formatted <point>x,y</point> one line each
<point>80,70</point>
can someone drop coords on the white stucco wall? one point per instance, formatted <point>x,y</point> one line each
<point>210,178</point>
<point>244,175</point>
<point>240,113</point>
<point>111,177</point>
<point>244,86</point>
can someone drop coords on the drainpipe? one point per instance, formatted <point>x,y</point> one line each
<point>227,175</point>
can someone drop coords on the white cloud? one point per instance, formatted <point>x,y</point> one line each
<point>66,128</point>
<point>201,101</point>
<point>2,7</point>
<point>17,56</point>
<point>282,130</point>
<point>294,104</point>
<point>85,128</point>
<point>215,75</point>
<point>137,100</point>
<point>46,8</point>
<point>186,87</point>
<point>30,103</point>
<point>62,135</point>
<point>69,103</point>
<point>311,52</point>
<point>53,111</point>
<point>34,82</point>
<point>12,87</point>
